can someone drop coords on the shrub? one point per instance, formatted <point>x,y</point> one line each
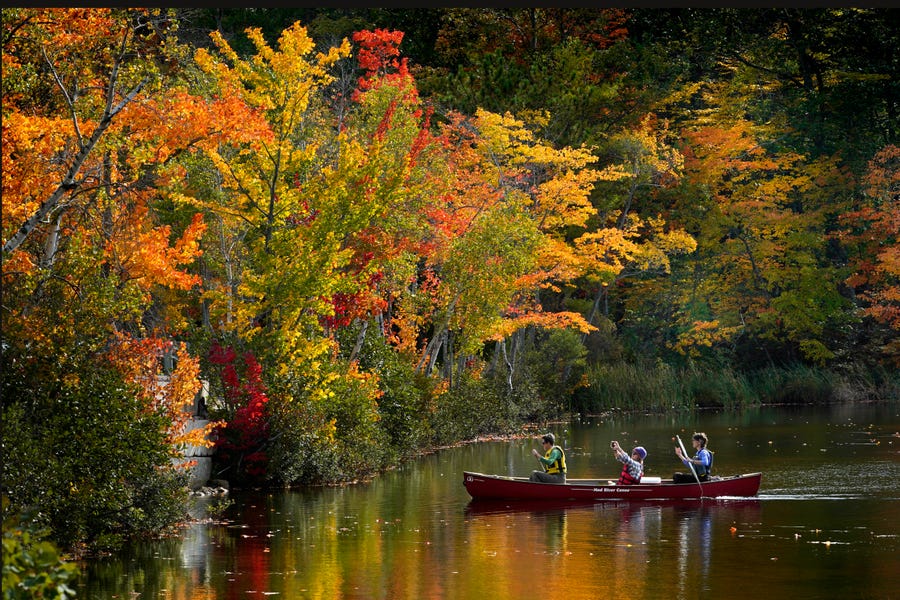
<point>240,443</point>
<point>32,565</point>
<point>325,426</point>
<point>478,406</point>
<point>81,446</point>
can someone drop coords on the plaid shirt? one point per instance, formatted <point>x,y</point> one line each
<point>635,468</point>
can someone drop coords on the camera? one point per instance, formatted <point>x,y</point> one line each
<point>612,444</point>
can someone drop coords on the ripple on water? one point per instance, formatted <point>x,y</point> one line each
<point>846,481</point>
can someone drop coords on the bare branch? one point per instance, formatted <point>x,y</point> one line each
<point>70,99</point>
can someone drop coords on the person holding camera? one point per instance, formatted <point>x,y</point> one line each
<point>632,466</point>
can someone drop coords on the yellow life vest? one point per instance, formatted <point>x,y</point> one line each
<point>559,465</point>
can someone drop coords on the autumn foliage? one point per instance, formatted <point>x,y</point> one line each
<point>240,442</point>
<point>347,259</point>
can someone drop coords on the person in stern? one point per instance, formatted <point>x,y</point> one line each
<point>632,466</point>
<point>553,462</point>
<point>702,461</point>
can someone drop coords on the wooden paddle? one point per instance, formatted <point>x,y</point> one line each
<point>538,458</point>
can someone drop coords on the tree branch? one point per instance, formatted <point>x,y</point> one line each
<point>85,148</point>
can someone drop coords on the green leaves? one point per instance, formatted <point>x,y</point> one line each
<point>32,565</point>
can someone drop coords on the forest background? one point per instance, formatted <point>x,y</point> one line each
<point>374,232</point>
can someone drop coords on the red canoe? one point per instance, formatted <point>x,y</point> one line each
<point>481,486</point>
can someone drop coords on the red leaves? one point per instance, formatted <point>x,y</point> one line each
<point>241,440</point>
<point>360,304</point>
<point>379,55</point>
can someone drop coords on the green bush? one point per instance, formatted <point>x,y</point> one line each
<point>300,449</point>
<point>32,565</point>
<point>557,364</point>
<point>405,394</point>
<point>329,439</point>
<point>81,447</point>
<point>482,406</point>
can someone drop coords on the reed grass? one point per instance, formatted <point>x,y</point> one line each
<point>658,387</point>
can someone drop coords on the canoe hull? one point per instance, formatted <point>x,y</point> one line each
<point>482,486</point>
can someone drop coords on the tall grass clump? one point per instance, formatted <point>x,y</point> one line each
<point>797,384</point>
<point>642,386</point>
<point>720,388</point>
<point>658,387</point>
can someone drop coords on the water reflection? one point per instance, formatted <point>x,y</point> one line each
<point>694,542</point>
<point>819,523</point>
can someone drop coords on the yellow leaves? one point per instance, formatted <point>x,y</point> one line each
<point>607,250</point>
<point>512,160</point>
<point>503,163</point>
<point>614,172</point>
<point>675,241</point>
<point>293,43</point>
<point>640,245</point>
<point>703,334</point>
<point>644,156</point>
<point>278,184</point>
<point>282,80</point>
<point>224,77</point>
<point>565,200</point>
<point>504,135</point>
<point>559,260</point>
<point>304,354</point>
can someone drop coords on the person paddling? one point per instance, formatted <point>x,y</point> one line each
<point>632,466</point>
<point>702,461</point>
<point>553,462</point>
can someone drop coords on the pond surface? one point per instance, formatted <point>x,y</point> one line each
<point>825,524</point>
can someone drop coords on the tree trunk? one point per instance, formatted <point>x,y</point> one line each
<point>360,338</point>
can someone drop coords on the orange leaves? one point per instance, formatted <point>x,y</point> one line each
<point>188,122</point>
<point>144,255</point>
<point>874,230</point>
<point>882,180</point>
<point>54,173</point>
<point>137,361</point>
<point>542,320</point>
<point>29,172</point>
<point>140,362</point>
<point>715,154</point>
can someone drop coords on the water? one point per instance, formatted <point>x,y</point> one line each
<point>824,525</point>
